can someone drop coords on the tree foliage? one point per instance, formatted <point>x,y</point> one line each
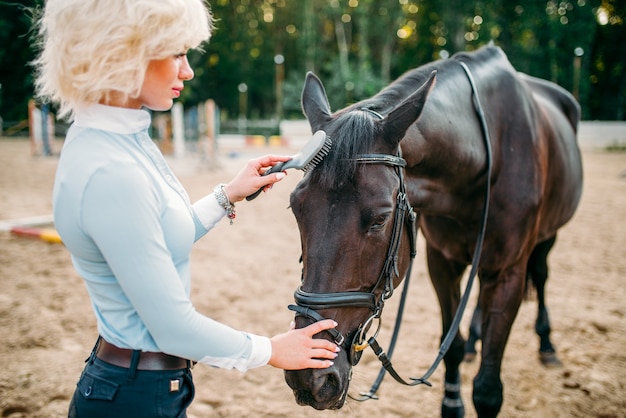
<point>16,52</point>
<point>359,46</point>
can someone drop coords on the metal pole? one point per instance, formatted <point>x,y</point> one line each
<point>279,60</point>
<point>243,107</point>
<point>578,53</point>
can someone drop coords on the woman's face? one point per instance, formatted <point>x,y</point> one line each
<point>163,83</point>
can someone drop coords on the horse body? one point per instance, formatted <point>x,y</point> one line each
<point>345,212</point>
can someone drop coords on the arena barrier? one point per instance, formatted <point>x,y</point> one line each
<point>41,129</point>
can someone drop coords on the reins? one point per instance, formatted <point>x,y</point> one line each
<point>308,302</point>
<point>454,328</point>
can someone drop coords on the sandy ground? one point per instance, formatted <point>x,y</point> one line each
<point>244,275</point>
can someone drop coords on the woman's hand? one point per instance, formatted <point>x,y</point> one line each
<point>250,178</point>
<point>297,349</point>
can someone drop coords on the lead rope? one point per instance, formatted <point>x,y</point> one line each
<point>385,359</point>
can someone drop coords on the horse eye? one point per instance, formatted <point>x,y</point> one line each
<point>378,222</point>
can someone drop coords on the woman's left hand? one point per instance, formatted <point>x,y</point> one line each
<point>250,178</point>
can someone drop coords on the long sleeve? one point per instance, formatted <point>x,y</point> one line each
<point>130,233</point>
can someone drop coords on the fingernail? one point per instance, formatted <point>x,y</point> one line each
<point>280,176</point>
<point>335,355</point>
<point>331,363</point>
<point>335,322</point>
<point>337,349</point>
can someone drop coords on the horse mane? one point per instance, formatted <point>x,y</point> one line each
<point>353,130</point>
<point>354,135</point>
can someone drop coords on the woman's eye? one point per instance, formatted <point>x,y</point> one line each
<point>181,55</point>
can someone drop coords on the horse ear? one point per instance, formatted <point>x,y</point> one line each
<point>315,102</point>
<point>406,113</point>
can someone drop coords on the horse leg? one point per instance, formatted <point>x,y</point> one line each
<point>446,276</point>
<point>500,298</point>
<point>538,271</point>
<point>473,335</point>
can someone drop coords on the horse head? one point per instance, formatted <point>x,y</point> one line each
<point>352,221</point>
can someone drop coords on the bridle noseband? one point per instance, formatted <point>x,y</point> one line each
<point>308,303</point>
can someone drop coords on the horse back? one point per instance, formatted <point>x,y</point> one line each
<point>536,177</point>
<point>539,123</point>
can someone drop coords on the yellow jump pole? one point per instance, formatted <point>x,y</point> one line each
<point>44,234</point>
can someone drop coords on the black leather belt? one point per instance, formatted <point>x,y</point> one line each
<point>121,357</point>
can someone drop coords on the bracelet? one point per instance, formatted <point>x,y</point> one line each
<point>224,201</point>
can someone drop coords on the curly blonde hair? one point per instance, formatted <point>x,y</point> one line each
<point>94,50</point>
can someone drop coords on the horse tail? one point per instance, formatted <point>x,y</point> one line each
<point>530,290</point>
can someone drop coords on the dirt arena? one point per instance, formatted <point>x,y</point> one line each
<point>245,274</point>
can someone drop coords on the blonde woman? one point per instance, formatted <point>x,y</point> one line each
<point>126,219</point>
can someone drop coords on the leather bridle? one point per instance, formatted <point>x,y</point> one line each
<point>308,303</point>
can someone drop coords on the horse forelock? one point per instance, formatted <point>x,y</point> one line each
<point>353,133</point>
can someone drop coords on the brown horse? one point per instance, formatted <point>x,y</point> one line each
<point>420,149</point>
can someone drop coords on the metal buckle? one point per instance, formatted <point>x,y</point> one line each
<point>360,341</point>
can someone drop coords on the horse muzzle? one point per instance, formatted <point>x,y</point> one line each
<point>321,388</point>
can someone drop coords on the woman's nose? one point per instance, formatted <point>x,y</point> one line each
<point>185,72</point>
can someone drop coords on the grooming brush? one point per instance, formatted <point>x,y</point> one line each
<point>309,156</point>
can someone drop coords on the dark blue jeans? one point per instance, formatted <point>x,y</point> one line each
<point>105,390</point>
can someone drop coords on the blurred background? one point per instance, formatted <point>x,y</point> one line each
<point>254,66</point>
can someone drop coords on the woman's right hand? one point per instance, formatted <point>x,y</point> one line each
<point>297,349</point>
<point>250,178</point>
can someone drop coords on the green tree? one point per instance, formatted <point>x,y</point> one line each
<point>541,38</point>
<point>607,87</point>
<point>16,52</point>
<point>359,46</point>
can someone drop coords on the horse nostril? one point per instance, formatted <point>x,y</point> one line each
<point>326,384</point>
